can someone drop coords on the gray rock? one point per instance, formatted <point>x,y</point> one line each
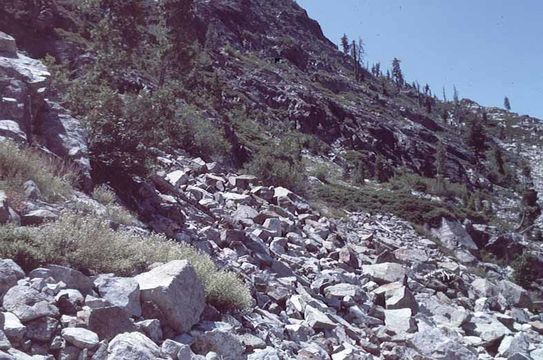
<point>110,321</point>
<point>483,287</point>
<point>385,272</point>
<point>486,327</point>
<point>38,217</point>
<point>8,47</point>
<point>401,321</point>
<point>12,327</point>
<point>511,345</point>
<point>435,344</point>
<point>10,273</point>
<point>399,298</point>
<point>454,236</point>
<point>73,279</point>
<point>133,346</point>
<point>81,338</point>
<point>224,343</point>
<point>177,177</point>
<point>317,319</point>
<point>152,329</point>
<point>340,291</point>
<point>264,354</point>
<point>173,350</point>
<point>12,130</point>
<point>5,344</point>
<point>41,329</point>
<point>177,291</point>
<point>28,304</point>
<point>121,292</point>
<point>515,295</point>
<point>31,190</point>
<point>6,356</point>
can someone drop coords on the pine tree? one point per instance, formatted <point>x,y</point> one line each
<point>507,104</point>
<point>377,69</point>
<point>476,138</point>
<point>397,74</point>
<point>441,160</point>
<point>359,173</point>
<point>455,96</point>
<point>444,95</point>
<point>498,158</point>
<point>345,44</point>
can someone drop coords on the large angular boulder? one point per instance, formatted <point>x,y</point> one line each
<point>12,327</point>
<point>510,346</point>
<point>8,47</point>
<point>385,272</point>
<point>401,321</point>
<point>73,279</point>
<point>28,304</point>
<point>176,290</point>
<point>515,295</point>
<point>454,236</point>
<point>121,292</point>
<point>317,319</point>
<point>66,137</point>
<point>226,345</point>
<point>486,327</point>
<point>107,322</point>
<point>133,346</point>
<point>400,298</point>
<point>436,344</point>
<point>81,338</point>
<point>10,273</point>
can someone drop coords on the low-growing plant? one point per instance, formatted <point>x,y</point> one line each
<point>524,271</point>
<point>104,195</point>
<point>402,204</point>
<point>18,165</point>
<point>90,245</point>
<point>280,165</point>
<point>321,172</point>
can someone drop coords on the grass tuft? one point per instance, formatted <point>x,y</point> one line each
<point>18,165</point>
<point>90,245</point>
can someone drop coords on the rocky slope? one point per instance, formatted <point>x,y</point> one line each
<point>363,286</point>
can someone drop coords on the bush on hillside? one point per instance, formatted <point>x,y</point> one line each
<point>18,165</point>
<point>524,271</point>
<point>90,245</point>
<point>280,165</point>
<point>402,204</point>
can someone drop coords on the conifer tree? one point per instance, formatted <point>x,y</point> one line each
<point>345,46</point>
<point>397,74</point>
<point>507,104</point>
<point>476,138</point>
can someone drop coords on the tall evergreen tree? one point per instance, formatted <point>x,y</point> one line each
<point>397,74</point>
<point>441,160</point>
<point>456,98</point>
<point>345,46</point>
<point>507,104</point>
<point>476,138</point>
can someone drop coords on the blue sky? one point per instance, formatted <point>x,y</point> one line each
<point>487,48</point>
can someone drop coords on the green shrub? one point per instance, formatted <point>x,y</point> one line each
<point>321,172</point>
<point>89,244</point>
<point>280,165</point>
<point>104,195</point>
<point>524,271</point>
<point>402,204</point>
<point>18,165</point>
